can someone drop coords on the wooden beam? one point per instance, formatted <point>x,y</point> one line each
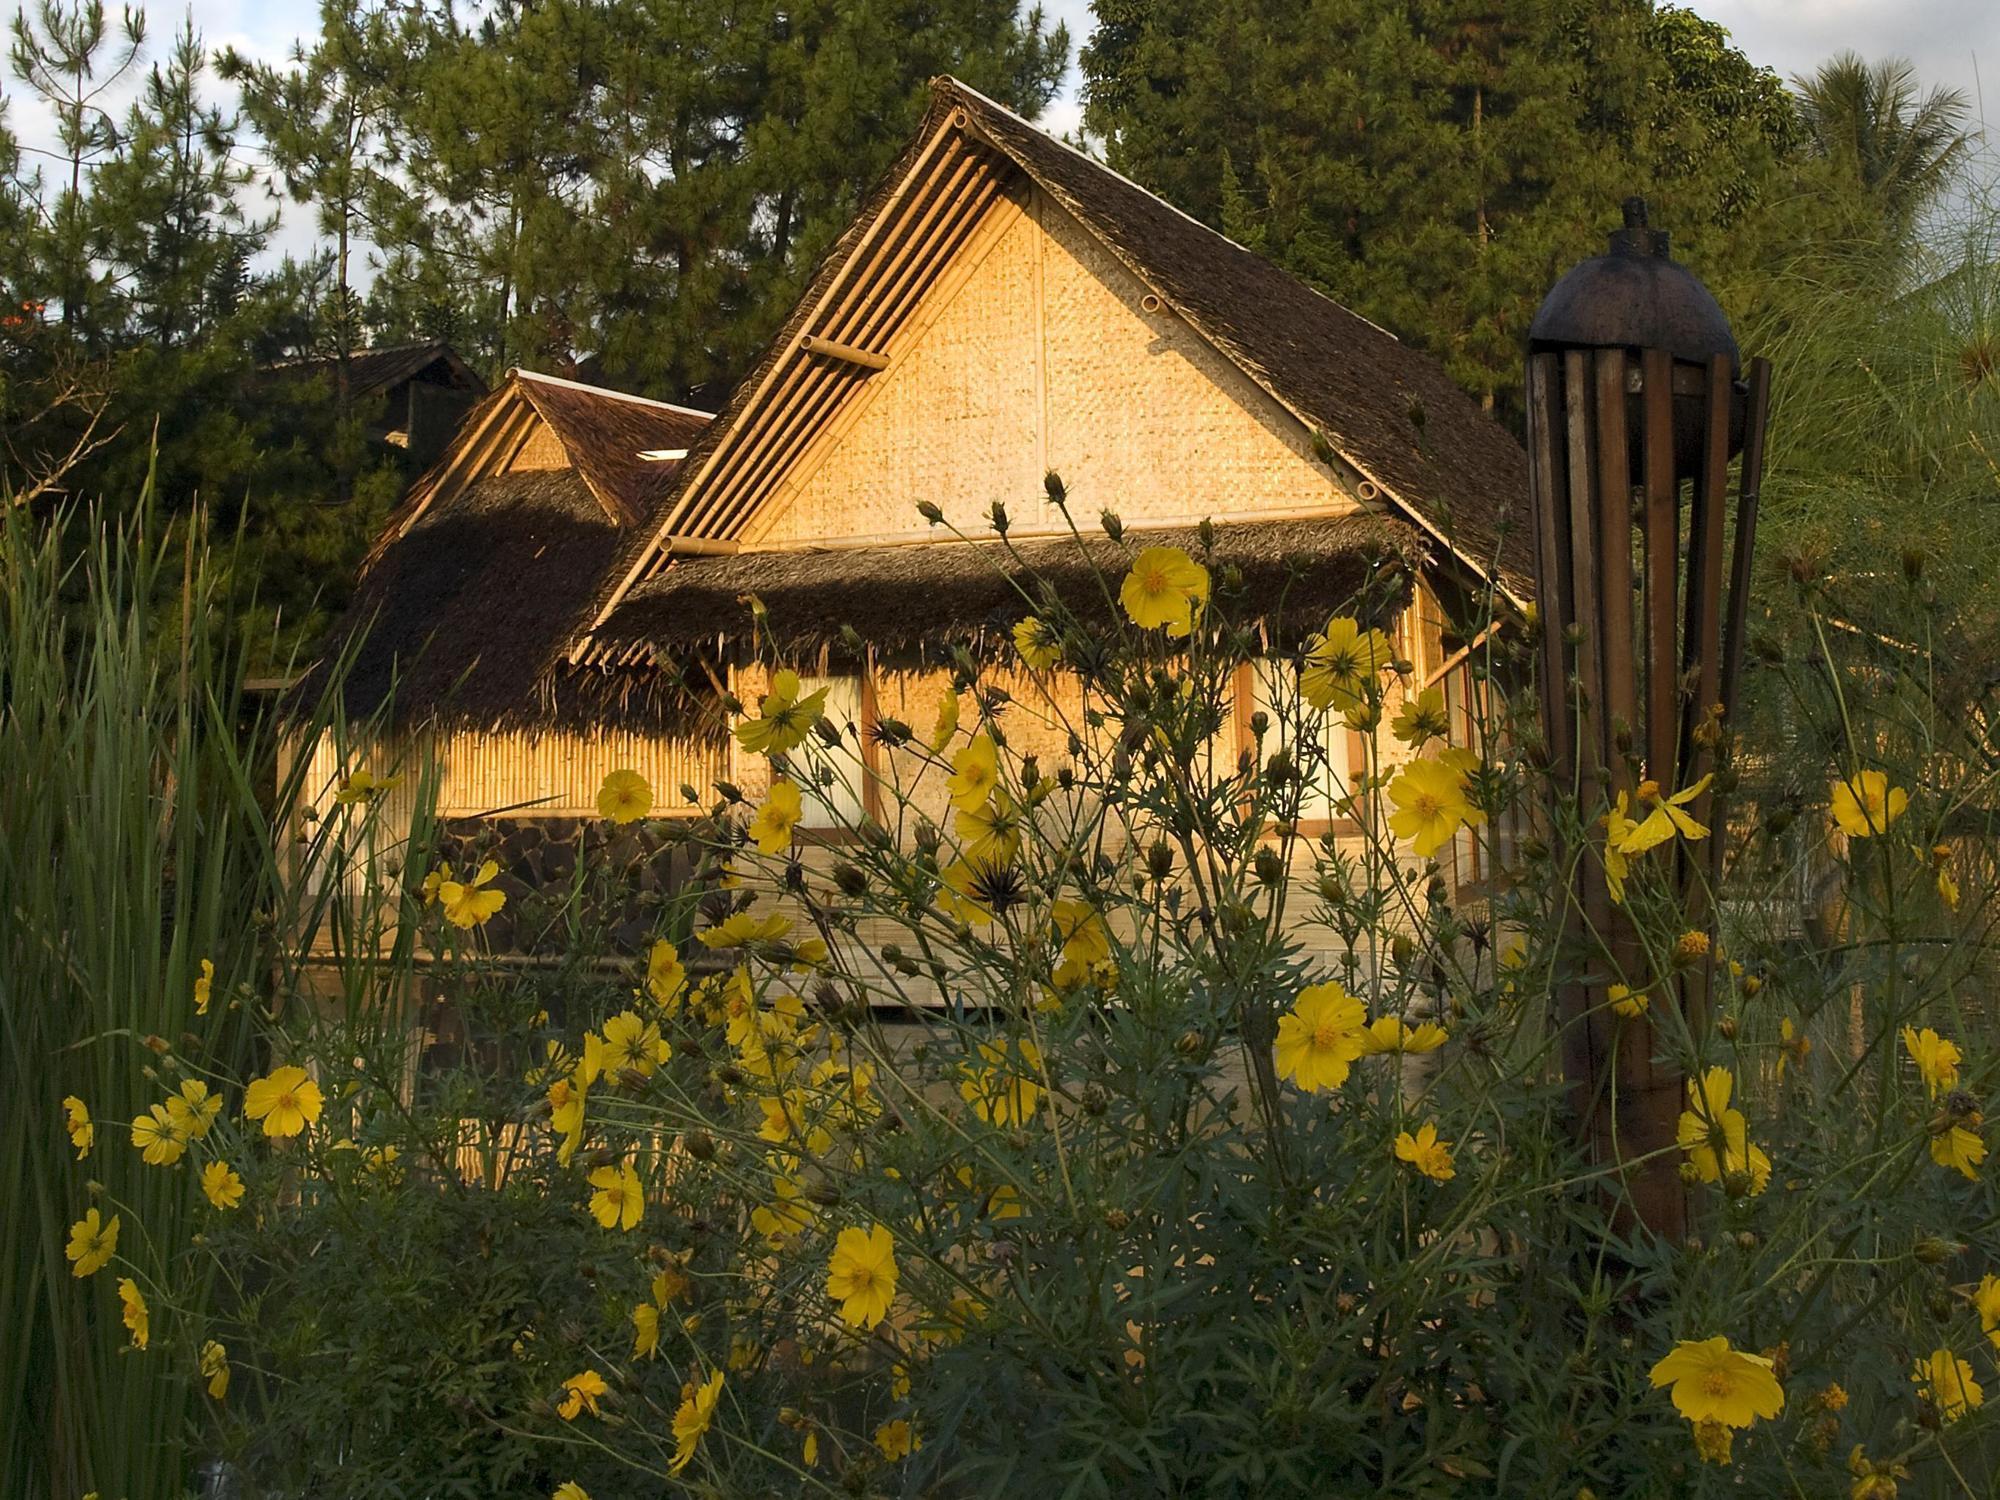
<point>868,359</point>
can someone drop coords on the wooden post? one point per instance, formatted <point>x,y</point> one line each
<point>1632,397</point>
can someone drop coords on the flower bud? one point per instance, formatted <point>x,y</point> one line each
<point>930,512</point>
<point>700,1145</point>
<point>1269,867</point>
<point>1113,527</point>
<point>1116,1219</point>
<point>998,512</point>
<point>1160,860</point>
<point>1053,487</point>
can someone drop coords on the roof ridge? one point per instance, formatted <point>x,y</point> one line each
<point>605,390</point>
<point>1110,171</point>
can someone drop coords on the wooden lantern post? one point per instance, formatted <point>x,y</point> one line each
<point>1634,399</point>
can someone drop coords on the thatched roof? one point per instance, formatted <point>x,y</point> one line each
<point>917,601</point>
<point>605,432</point>
<point>1389,412</point>
<point>478,579</point>
<point>1387,408</point>
<point>379,368</point>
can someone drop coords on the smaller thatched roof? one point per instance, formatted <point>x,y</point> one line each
<point>916,601</point>
<point>379,368</point>
<point>604,433</point>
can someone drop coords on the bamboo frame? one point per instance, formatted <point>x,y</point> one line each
<point>1636,663</point>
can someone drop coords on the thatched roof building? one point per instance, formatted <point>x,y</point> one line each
<point>1001,307</point>
<point>409,396</point>
<point>478,578</point>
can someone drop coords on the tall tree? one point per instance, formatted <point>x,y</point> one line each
<point>67,55</point>
<point>646,181</point>
<point>1433,164</point>
<point>175,234</point>
<point>325,119</point>
<point>1876,123</point>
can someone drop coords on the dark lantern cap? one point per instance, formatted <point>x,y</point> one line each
<point>1636,296</point>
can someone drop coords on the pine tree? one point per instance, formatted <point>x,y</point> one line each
<point>323,120</point>
<point>646,182</point>
<point>175,237</point>
<point>67,55</point>
<point>1433,164</point>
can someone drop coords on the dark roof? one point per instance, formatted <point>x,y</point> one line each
<point>1389,410</point>
<point>1385,407</point>
<point>463,614</point>
<point>919,600</point>
<point>604,433</point>
<point>377,369</point>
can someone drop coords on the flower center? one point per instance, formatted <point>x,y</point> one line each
<point>1715,1383</point>
<point>1326,1038</point>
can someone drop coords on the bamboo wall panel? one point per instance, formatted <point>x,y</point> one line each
<point>1046,356</point>
<point>542,450</point>
<point>561,773</point>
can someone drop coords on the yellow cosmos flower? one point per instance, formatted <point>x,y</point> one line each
<point>990,832</point>
<point>1422,718</point>
<point>861,1276</point>
<point>1086,942</point>
<point>215,1369</point>
<point>742,929</point>
<point>160,1141</point>
<point>580,1394</point>
<point>1431,806</point>
<point>973,887</point>
<point>897,1439</point>
<point>435,881</point>
<point>645,1330</point>
<point>1393,1034</point>
<point>1714,1383</point>
<point>1342,664</point>
<point>1793,1046</point>
<point>1038,642</point>
<point>566,1108</point>
<point>619,1201</point>
<point>1005,1091</point>
<point>694,1417</point>
<point>221,1186</point>
<point>784,718</point>
<point>625,797</point>
<point>76,1119</point>
<point>1426,1152</point>
<point>1668,818</point>
<point>365,786</point>
<point>132,1308</point>
<point>1625,1002</point>
<point>1960,1148</point>
<point>204,987</point>
<point>1618,826</point>
<point>666,978</point>
<point>1937,1060</point>
<point>1986,1302</point>
<point>630,1042</point>
<point>975,771</point>
<point>1865,805</point>
<point>771,829</point>
<point>1165,587</point>
<point>468,903</point>
<point>194,1108</point>
<point>787,1216</point>
<point>1319,1039</point>
<point>1714,1136</point>
<point>569,1489</point>
<point>946,723</point>
<point>1946,1382</point>
<point>286,1100</point>
<point>1947,883</point>
<point>92,1243</point>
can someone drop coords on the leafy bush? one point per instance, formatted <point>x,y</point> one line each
<point>1081,1125</point>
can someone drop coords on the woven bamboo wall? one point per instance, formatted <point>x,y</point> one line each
<point>1042,355</point>
<point>541,449</point>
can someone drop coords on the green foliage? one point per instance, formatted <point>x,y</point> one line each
<point>1437,166</point>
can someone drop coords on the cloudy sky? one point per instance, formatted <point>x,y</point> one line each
<point>1954,42</point>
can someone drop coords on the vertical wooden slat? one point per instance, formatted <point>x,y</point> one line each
<point>1545,479</point>
<point>1662,536</point>
<point>1618,692</point>
<point>1749,486</point>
